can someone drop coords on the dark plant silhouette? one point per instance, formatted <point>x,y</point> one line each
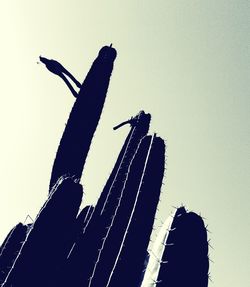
<point>106,245</point>
<point>180,253</point>
<point>56,68</point>
<point>10,248</point>
<point>85,114</point>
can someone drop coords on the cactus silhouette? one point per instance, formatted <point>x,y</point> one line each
<point>83,119</point>
<point>106,245</point>
<point>47,242</point>
<point>180,253</point>
<point>56,68</point>
<point>10,248</point>
<point>122,226</point>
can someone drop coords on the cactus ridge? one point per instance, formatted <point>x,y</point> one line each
<point>117,172</point>
<point>112,183</point>
<point>122,215</point>
<point>52,229</point>
<point>102,244</point>
<point>118,182</point>
<point>139,129</point>
<point>139,225</point>
<point>10,249</point>
<point>182,252</point>
<point>111,224</point>
<point>84,117</point>
<point>81,221</point>
<point>105,223</point>
<point>117,232</point>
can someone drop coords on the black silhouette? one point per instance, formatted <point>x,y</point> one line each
<point>10,248</point>
<point>186,253</point>
<point>56,68</point>
<point>104,245</point>
<point>83,119</point>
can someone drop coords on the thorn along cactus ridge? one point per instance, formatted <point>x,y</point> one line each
<point>106,245</point>
<point>10,248</point>
<point>48,241</point>
<point>180,253</point>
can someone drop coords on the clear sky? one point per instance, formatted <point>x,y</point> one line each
<point>185,62</point>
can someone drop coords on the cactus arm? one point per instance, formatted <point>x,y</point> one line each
<point>139,226</point>
<point>156,254</point>
<point>99,209</point>
<point>186,253</point>
<point>48,240</point>
<point>115,173</point>
<point>87,249</point>
<point>6,240</point>
<point>139,128</point>
<point>130,219</point>
<point>111,224</point>
<point>11,248</point>
<point>132,252</point>
<point>179,256</point>
<point>84,117</point>
<point>120,169</point>
<point>100,224</point>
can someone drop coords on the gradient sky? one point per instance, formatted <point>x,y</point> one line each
<point>185,62</point>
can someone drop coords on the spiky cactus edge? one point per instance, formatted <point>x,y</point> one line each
<point>105,245</point>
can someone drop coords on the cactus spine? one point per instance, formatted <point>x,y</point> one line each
<point>48,240</point>
<point>106,245</point>
<point>10,249</point>
<point>180,254</point>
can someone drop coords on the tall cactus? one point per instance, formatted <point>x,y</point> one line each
<point>106,245</point>
<point>135,217</point>
<point>180,254</point>
<point>89,248</point>
<point>139,128</point>
<point>84,117</point>
<point>48,240</point>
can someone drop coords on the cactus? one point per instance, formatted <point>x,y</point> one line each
<point>48,240</point>
<point>138,226</point>
<point>139,128</point>
<point>106,245</point>
<point>180,253</point>
<point>107,234</point>
<point>83,119</point>
<point>10,248</point>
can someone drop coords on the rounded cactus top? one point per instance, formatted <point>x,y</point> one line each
<point>107,53</point>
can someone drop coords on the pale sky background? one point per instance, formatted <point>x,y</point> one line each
<point>185,62</point>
